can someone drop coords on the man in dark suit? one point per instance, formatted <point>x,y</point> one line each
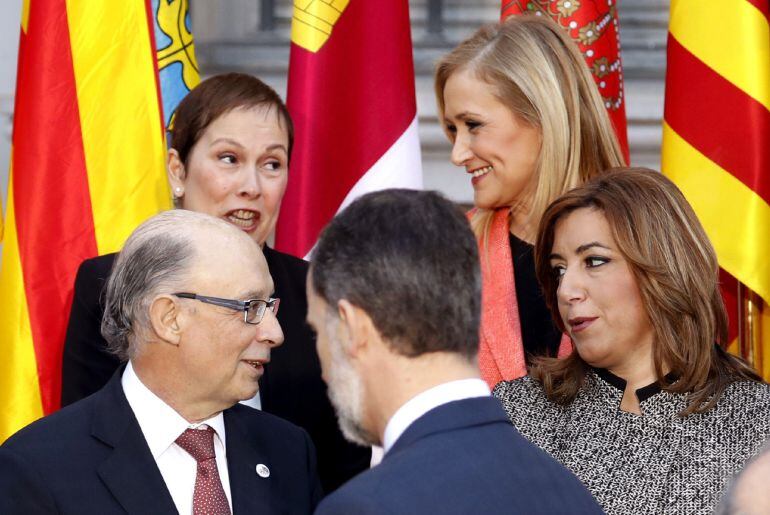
<point>189,305</point>
<point>394,297</point>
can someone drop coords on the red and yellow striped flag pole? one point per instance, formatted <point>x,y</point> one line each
<point>87,167</point>
<point>716,138</point>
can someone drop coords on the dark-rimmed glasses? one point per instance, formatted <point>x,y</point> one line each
<point>253,309</point>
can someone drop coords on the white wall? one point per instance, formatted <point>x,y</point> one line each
<point>10,24</point>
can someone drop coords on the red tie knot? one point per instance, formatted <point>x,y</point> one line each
<point>199,443</point>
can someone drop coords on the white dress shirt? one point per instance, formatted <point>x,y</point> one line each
<point>423,402</point>
<point>161,426</point>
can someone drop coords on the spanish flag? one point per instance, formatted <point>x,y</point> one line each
<point>351,97</point>
<point>595,29</point>
<point>716,138</point>
<point>87,167</point>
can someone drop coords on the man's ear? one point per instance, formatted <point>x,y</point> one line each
<point>359,326</point>
<point>176,172</point>
<point>165,319</point>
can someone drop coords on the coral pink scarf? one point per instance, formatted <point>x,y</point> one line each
<point>501,350</point>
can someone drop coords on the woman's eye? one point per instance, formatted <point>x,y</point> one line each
<point>594,262</point>
<point>228,158</point>
<point>472,125</point>
<point>451,129</point>
<point>558,270</point>
<point>273,165</point>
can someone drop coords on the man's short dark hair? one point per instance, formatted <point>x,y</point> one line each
<point>409,259</point>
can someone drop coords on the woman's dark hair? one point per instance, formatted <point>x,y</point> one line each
<point>677,273</point>
<point>216,96</point>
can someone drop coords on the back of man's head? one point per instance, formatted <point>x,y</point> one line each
<point>409,260</point>
<point>156,258</point>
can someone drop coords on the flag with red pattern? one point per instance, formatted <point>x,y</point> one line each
<point>594,27</point>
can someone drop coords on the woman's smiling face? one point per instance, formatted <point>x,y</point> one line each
<point>237,170</point>
<point>496,147</point>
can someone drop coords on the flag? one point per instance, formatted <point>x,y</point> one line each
<point>87,167</point>
<point>351,97</point>
<point>594,27</point>
<point>716,135</point>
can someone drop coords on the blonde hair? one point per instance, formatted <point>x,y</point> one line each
<point>539,74</point>
<point>677,273</point>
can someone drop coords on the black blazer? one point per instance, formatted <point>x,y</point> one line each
<point>92,458</point>
<point>459,458</point>
<point>290,388</point>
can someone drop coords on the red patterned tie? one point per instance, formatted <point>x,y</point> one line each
<point>209,497</point>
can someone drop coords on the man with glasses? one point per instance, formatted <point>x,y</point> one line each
<point>394,295</point>
<point>189,307</point>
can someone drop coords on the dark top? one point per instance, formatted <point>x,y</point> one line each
<point>540,335</point>
<point>291,386</point>
<point>458,458</point>
<point>92,458</point>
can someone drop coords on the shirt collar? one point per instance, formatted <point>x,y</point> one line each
<point>425,401</point>
<point>159,422</point>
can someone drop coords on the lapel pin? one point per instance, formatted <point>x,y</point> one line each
<point>262,470</point>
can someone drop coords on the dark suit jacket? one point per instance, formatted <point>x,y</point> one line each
<point>290,388</point>
<point>460,458</point>
<point>92,458</point>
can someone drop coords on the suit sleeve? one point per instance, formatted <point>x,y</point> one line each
<point>86,364</point>
<point>343,502</point>
<point>22,490</point>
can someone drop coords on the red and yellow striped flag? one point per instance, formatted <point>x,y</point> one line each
<point>87,167</point>
<point>716,132</point>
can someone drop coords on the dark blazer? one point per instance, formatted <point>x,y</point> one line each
<point>460,458</point>
<point>92,458</point>
<point>290,388</point>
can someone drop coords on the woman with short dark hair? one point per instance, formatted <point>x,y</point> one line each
<point>649,411</point>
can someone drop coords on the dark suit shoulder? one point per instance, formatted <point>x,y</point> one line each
<point>465,457</point>
<point>290,263</point>
<point>289,272</point>
<point>54,434</point>
<point>98,267</point>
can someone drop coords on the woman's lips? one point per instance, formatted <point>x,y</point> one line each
<point>479,173</point>
<point>245,219</point>
<point>579,324</point>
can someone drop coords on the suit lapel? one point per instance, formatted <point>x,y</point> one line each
<point>250,492</point>
<point>130,472</point>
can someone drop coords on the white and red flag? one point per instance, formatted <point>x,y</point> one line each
<point>351,96</point>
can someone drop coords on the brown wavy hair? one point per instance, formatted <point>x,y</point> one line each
<point>676,269</point>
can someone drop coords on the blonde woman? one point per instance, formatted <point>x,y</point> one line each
<point>649,412</point>
<point>527,124</point>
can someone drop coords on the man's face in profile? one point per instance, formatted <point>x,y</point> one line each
<point>345,388</point>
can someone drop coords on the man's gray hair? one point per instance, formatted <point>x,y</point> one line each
<point>155,259</point>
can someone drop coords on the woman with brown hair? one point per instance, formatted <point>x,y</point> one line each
<point>649,412</point>
<point>231,143</point>
<point>527,124</point>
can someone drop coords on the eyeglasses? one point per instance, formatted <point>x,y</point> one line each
<point>253,309</point>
